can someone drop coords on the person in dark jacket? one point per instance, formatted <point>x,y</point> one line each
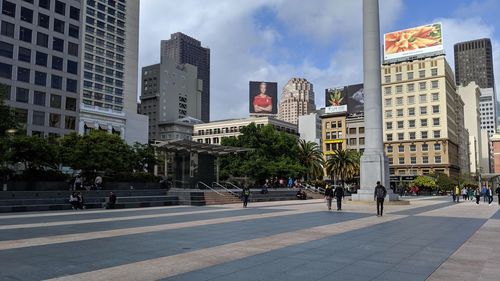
<point>497,191</point>
<point>245,194</point>
<point>328,196</point>
<point>111,201</point>
<point>339,194</point>
<point>81,201</point>
<point>379,195</point>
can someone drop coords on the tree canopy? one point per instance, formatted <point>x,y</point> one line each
<point>425,182</point>
<point>343,165</point>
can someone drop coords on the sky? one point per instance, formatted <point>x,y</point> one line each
<point>320,40</point>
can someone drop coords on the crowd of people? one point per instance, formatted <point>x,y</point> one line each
<point>470,194</point>
<point>78,183</point>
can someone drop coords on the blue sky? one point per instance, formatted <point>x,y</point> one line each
<point>319,40</point>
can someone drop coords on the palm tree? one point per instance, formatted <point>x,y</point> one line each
<point>311,157</point>
<point>344,165</point>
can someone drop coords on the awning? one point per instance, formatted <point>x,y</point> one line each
<point>103,127</point>
<point>89,125</point>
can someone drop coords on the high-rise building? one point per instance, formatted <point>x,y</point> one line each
<point>474,62</point>
<point>169,92</point>
<point>297,99</point>
<point>75,65</point>
<point>40,50</point>
<point>184,49</point>
<point>422,117</point>
<point>487,108</point>
<point>310,128</point>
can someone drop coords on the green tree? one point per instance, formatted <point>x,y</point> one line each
<point>424,182</point>
<point>143,158</point>
<point>311,157</point>
<point>273,154</point>
<point>34,152</point>
<point>7,118</point>
<point>343,165</point>
<point>443,181</point>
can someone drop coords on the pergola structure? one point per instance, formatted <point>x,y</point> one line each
<point>188,162</point>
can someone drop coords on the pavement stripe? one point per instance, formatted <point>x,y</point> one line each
<point>476,259</point>
<point>21,243</point>
<point>71,213</point>
<point>72,221</point>
<point>168,266</point>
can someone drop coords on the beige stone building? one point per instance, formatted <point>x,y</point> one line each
<point>297,99</point>
<point>215,131</point>
<point>423,118</point>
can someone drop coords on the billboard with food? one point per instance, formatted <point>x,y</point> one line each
<point>413,42</point>
<point>348,98</point>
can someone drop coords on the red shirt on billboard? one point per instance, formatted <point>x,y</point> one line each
<point>262,103</point>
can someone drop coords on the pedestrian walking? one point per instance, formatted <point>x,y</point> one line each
<point>484,190</point>
<point>328,196</point>
<point>470,193</point>
<point>464,193</point>
<point>477,193</point>
<point>98,182</point>
<point>498,194</point>
<point>290,182</point>
<point>379,195</point>
<point>457,193</point>
<point>78,182</point>
<point>111,201</point>
<point>490,195</point>
<point>245,194</point>
<point>81,201</point>
<point>339,194</point>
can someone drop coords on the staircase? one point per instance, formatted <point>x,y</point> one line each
<point>220,197</point>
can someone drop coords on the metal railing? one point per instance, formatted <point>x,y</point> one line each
<point>233,185</point>
<point>225,188</point>
<point>208,187</point>
<point>312,188</point>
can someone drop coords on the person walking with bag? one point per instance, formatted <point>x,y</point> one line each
<point>489,192</point>
<point>328,196</point>
<point>245,194</point>
<point>477,193</point>
<point>379,195</point>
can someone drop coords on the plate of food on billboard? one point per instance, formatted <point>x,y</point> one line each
<point>263,98</point>
<point>413,41</point>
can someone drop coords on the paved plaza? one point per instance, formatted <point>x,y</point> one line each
<point>430,239</point>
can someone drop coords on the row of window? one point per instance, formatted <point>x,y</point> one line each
<point>410,66</point>
<point>410,87</point>
<point>39,118</point>
<point>9,8</point>
<point>411,75</point>
<point>39,78</point>
<point>410,99</point>
<point>411,111</point>
<point>413,148</point>
<point>413,135</point>
<point>333,135</point>
<point>411,123</point>
<point>102,105</point>
<point>42,39</point>
<point>23,95</point>
<point>102,6</point>
<point>413,160</point>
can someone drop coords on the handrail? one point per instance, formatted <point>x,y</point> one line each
<point>207,186</point>
<point>233,185</point>
<point>225,188</point>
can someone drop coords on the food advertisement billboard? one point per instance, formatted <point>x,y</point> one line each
<point>263,98</point>
<point>348,98</point>
<point>416,41</point>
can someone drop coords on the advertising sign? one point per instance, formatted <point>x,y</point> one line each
<point>413,42</point>
<point>348,98</point>
<point>263,98</point>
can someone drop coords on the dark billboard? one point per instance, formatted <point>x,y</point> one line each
<point>263,98</point>
<point>351,95</point>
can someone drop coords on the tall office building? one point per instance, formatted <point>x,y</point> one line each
<point>72,65</point>
<point>169,92</point>
<point>474,62</point>
<point>40,57</point>
<point>488,110</point>
<point>297,99</point>
<point>184,49</point>
<point>423,118</point>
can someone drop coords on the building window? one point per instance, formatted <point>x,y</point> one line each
<point>5,70</point>
<point>361,141</point>
<point>39,98</point>
<point>423,98</point>
<point>387,79</point>
<point>413,160</point>
<point>388,125</point>
<point>352,141</point>
<point>70,122</point>
<point>43,20</point>
<point>435,96</point>
<point>40,78</point>
<point>399,89</point>
<point>399,101</point>
<point>399,77</point>
<point>42,39</point>
<point>7,29</point>
<point>24,54</point>
<point>71,85</point>
<point>413,148</point>
<point>70,104</point>
<point>55,120</point>
<point>425,159</point>
<point>411,123</point>
<point>437,147</point>
<point>401,160</point>
<point>6,50</point>
<point>388,113</point>
<point>435,121</point>
<point>423,110</point>
<point>58,44</point>
<point>435,109</point>
<point>388,137</point>
<point>401,136</point>
<point>388,102</point>
<point>412,135</point>
<point>411,111</point>
<point>22,95</point>
<point>421,74</point>
<point>25,34</point>
<point>437,159</point>
<point>437,134</point>
<point>26,15</point>
<point>423,134</point>
<point>425,147</point>
<point>74,31</point>
<point>39,118</point>
<point>23,74</point>
<point>387,90</point>
<point>434,71</point>
<point>60,8</point>
<point>59,26</point>
<point>74,13</point>
<point>21,115</point>
<point>72,67</point>
<point>56,82</point>
<point>400,125</point>
<point>41,59</point>
<point>410,75</point>
<point>423,122</point>
<point>435,84</point>
<point>57,63</point>
<point>55,101</point>
<point>9,9</point>
<point>44,4</point>
<point>389,149</point>
<point>399,113</point>
<point>410,88</point>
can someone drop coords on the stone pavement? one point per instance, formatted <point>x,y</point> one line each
<point>431,239</point>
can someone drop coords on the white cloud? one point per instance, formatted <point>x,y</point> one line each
<point>240,49</point>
